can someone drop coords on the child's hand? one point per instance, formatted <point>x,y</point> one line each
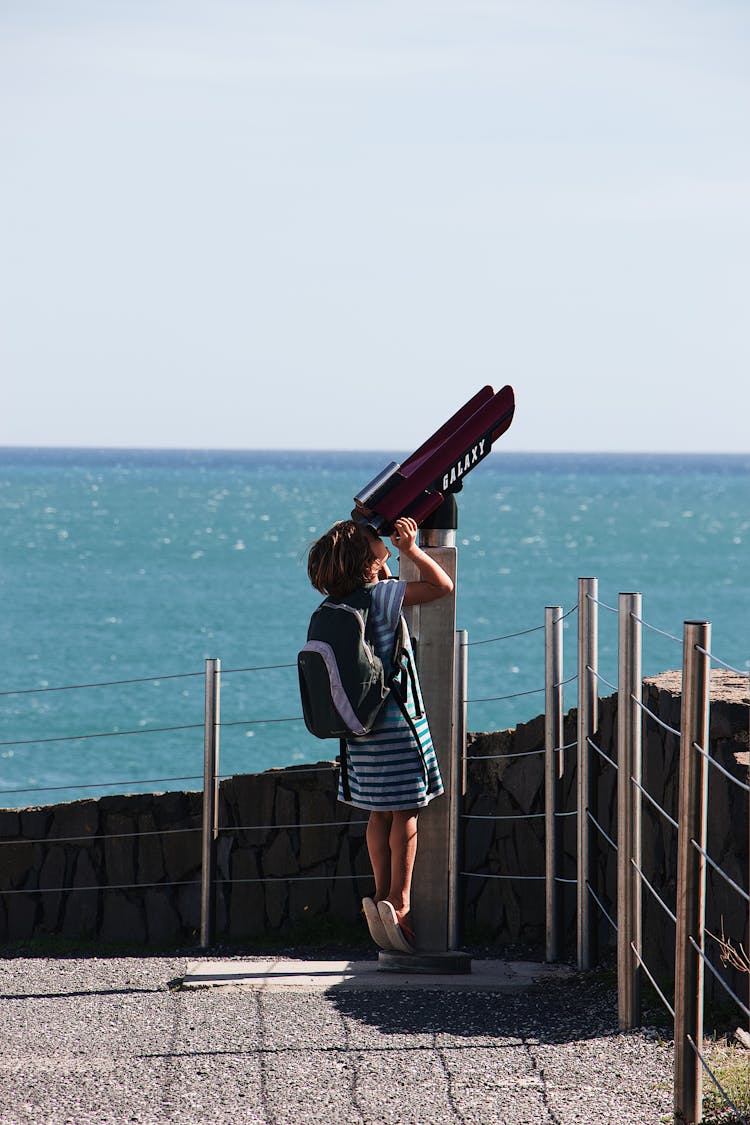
<point>404,534</point>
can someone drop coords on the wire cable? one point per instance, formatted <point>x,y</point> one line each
<point>656,895</point>
<point>601,906</point>
<point>656,804</point>
<point>720,768</point>
<point>721,871</point>
<point>666,726</point>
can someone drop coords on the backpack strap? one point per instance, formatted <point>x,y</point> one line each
<point>344,771</point>
<point>399,684</point>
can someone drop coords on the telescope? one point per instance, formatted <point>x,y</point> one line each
<point>419,485</point>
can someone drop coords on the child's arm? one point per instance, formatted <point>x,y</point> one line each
<point>433,582</point>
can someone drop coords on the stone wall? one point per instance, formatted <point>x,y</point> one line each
<point>70,869</point>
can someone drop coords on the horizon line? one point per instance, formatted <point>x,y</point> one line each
<point>362,450</point>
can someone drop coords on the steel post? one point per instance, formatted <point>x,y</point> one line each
<point>210,802</point>
<point>629,744</point>
<point>588,700</point>
<point>691,872</point>
<point>553,771</point>
<point>433,627</point>
<point>458,789</point>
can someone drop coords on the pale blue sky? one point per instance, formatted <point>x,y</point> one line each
<point>325,225</point>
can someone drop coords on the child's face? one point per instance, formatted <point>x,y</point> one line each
<point>380,553</point>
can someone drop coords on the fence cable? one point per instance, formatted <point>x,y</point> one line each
<point>487,875</point>
<point>730,667</point>
<point>496,757</point>
<point>503,816</point>
<point>259,722</point>
<point>104,683</point>
<point>597,825</point>
<point>101,837</point>
<point>655,893</point>
<point>598,749</point>
<point>258,668</point>
<point>103,734</point>
<point>601,906</point>
<point>643,707</point>
<point>656,804</point>
<point>99,784</point>
<point>719,977</point>
<point>717,765</point>
<point>308,824</point>
<point>522,633</point>
<point>650,976</point>
<point>596,601</point>
<point>602,679</point>
<point>99,887</point>
<point>721,871</point>
<point>653,629</point>
<point>502,698</point>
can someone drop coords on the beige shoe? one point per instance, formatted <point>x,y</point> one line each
<point>400,936</point>
<point>375,924</point>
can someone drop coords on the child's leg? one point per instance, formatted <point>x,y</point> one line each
<point>403,852</point>
<point>378,848</point>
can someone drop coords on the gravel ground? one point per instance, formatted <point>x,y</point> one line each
<point>94,1041</point>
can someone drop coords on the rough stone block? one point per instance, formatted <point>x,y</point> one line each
<point>189,908</point>
<point>51,875</point>
<point>123,919</point>
<point>309,897</point>
<point>16,861</point>
<point>279,858</point>
<point>35,822</point>
<point>149,856</point>
<point>81,907</point>
<point>10,824</point>
<point>162,919</point>
<point>23,912</point>
<point>276,902</point>
<point>77,820</point>
<point>246,914</point>
<point>119,849</point>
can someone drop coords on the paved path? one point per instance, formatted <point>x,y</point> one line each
<point>87,1041</point>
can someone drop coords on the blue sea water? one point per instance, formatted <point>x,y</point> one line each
<point>138,565</point>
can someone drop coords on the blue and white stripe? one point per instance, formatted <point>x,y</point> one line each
<point>386,769</point>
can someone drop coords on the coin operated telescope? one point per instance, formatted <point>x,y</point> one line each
<point>418,486</point>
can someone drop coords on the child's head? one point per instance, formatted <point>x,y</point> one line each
<point>341,560</point>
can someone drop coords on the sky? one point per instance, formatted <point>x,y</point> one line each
<point>313,224</point>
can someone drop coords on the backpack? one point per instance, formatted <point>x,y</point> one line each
<point>343,683</point>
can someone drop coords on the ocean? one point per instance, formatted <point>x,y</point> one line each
<point>126,570</point>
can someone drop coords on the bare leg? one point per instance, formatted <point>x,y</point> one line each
<point>378,848</point>
<point>403,852</point>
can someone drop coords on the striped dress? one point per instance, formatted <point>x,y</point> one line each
<point>386,769</point>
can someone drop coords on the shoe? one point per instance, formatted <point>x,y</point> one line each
<point>400,936</point>
<point>375,924</point>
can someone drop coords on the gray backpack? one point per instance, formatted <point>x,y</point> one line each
<point>343,683</point>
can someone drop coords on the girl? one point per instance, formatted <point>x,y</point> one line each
<point>393,771</point>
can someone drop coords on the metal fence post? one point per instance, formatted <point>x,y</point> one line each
<point>629,747</point>
<point>458,790</point>
<point>588,719</point>
<point>434,628</point>
<point>691,873</point>
<point>553,772</point>
<point>210,802</point>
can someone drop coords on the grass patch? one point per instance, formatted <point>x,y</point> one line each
<point>731,1065</point>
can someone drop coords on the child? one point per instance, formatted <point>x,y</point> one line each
<point>393,770</point>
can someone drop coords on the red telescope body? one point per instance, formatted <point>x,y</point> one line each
<point>417,487</point>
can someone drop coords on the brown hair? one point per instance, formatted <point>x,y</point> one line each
<point>341,560</point>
